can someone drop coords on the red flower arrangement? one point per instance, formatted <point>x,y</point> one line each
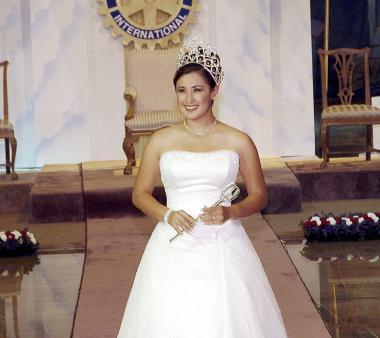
<point>17,242</point>
<point>357,226</point>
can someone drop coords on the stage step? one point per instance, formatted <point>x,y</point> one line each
<point>342,179</point>
<point>14,195</point>
<point>284,191</point>
<point>98,189</point>
<point>63,193</point>
<point>57,195</point>
<point>108,193</point>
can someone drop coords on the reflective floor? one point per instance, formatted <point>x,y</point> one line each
<point>38,295</point>
<point>344,281</point>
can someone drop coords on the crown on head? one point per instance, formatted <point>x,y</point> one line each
<point>196,51</point>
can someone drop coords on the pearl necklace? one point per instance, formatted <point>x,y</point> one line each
<point>204,131</point>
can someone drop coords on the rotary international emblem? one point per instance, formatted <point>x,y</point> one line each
<point>149,22</point>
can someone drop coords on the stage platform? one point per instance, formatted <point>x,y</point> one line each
<point>96,189</point>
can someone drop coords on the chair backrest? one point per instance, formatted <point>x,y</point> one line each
<point>346,61</point>
<point>151,73</point>
<point>4,66</point>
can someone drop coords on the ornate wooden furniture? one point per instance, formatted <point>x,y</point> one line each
<point>346,61</point>
<point>149,94</point>
<point>6,128</point>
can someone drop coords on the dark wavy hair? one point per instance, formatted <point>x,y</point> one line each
<point>194,67</point>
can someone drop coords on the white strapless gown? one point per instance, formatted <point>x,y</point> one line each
<point>205,284</point>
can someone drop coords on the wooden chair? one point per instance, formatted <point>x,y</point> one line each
<point>346,62</point>
<point>150,96</point>
<point>6,128</point>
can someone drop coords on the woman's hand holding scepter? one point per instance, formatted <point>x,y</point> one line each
<point>229,193</point>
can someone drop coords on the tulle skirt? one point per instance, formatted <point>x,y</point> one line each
<point>207,284</point>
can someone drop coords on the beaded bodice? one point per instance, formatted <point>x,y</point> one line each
<point>193,180</point>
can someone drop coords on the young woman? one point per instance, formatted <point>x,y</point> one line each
<point>208,282</point>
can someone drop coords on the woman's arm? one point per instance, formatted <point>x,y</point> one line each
<point>145,182</point>
<point>146,179</point>
<point>250,170</point>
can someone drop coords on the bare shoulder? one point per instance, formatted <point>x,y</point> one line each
<point>237,139</point>
<point>164,137</point>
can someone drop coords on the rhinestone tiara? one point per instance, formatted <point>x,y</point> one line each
<point>195,50</point>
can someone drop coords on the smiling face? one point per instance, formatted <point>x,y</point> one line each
<point>195,96</point>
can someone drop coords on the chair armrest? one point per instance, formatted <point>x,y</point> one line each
<point>130,96</point>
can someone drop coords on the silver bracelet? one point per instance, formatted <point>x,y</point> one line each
<point>166,216</point>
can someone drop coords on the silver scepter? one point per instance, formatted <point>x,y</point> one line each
<point>228,194</point>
